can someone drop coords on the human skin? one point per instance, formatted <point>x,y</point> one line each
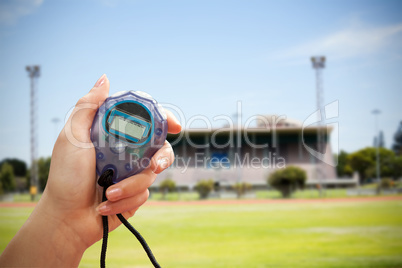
<point>67,219</point>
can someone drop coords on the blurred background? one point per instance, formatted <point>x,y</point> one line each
<point>204,57</point>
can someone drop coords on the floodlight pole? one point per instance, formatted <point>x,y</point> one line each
<point>237,116</point>
<point>33,73</point>
<point>318,65</point>
<point>376,112</point>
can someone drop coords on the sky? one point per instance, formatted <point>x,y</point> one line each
<point>204,58</point>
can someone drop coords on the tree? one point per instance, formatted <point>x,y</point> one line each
<point>361,161</point>
<point>343,169</point>
<point>204,187</point>
<point>167,185</point>
<point>19,166</point>
<point>364,162</point>
<point>241,188</point>
<point>397,167</point>
<point>7,177</point>
<point>20,172</point>
<point>397,146</point>
<point>287,180</point>
<point>43,171</point>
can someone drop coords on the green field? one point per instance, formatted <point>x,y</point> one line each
<point>330,234</point>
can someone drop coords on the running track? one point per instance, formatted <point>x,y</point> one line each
<point>241,201</point>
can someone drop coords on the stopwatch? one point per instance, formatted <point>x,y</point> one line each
<point>128,128</point>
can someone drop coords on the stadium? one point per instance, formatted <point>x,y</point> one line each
<point>229,155</point>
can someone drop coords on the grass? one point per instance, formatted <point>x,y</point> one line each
<point>307,193</point>
<point>175,196</point>
<point>345,234</point>
<point>260,194</point>
<point>304,194</point>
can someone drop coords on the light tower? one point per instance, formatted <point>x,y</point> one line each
<point>318,65</point>
<point>33,73</point>
<point>237,118</point>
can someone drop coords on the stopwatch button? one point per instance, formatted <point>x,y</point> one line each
<point>128,167</point>
<point>100,156</point>
<point>158,131</point>
<point>118,148</point>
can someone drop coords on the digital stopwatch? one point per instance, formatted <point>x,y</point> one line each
<point>129,127</point>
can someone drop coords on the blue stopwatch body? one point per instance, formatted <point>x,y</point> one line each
<point>129,127</point>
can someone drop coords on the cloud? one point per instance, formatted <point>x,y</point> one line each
<point>11,11</point>
<point>348,43</point>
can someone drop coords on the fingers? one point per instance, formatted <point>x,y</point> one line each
<point>162,159</point>
<point>174,126</point>
<point>130,193</point>
<point>130,204</point>
<point>127,194</point>
<point>131,186</point>
<point>80,121</point>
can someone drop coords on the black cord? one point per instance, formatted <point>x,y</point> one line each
<point>141,240</point>
<point>105,180</point>
<point>105,234</point>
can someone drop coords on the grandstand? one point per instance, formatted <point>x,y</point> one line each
<point>237,154</point>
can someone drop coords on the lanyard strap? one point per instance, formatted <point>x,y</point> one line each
<point>105,180</point>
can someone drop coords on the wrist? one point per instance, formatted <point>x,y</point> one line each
<point>43,241</point>
<point>64,242</point>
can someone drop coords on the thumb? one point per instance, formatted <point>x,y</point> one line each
<point>80,120</point>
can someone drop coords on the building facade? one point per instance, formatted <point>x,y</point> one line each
<point>230,155</point>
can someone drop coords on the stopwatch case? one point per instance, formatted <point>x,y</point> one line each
<point>126,158</point>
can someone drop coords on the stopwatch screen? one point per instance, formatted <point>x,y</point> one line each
<point>129,122</point>
<point>127,127</point>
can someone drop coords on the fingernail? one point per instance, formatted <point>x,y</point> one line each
<point>114,193</point>
<point>100,81</point>
<point>177,121</point>
<point>162,163</point>
<point>103,209</point>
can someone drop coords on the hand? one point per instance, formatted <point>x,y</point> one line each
<point>72,185</point>
<point>72,197</point>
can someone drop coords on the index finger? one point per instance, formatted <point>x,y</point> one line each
<point>174,126</point>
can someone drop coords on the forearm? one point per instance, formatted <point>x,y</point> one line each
<point>43,241</point>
